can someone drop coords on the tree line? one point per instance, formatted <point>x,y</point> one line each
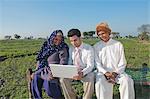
<point>144,34</point>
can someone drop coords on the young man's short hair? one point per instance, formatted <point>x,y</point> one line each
<point>73,32</point>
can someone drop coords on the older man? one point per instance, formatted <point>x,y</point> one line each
<point>111,63</point>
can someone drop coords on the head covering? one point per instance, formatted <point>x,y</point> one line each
<point>103,27</point>
<point>48,48</point>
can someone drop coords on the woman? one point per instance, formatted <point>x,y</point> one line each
<point>54,51</point>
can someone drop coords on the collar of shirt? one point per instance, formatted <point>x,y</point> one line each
<point>80,47</point>
<point>108,42</point>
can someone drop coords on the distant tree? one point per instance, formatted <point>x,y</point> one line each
<point>7,37</point>
<point>126,36</point>
<point>144,32</point>
<point>115,34</point>
<point>130,36</point>
<point>91,33</point>
<point>40,38</point>
<point>88,34</point>
<point>143,36</point>
<point>85,34</point>
<point>16,36</point>
<point>29,38</point>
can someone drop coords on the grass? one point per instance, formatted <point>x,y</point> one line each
<point>12,70</point>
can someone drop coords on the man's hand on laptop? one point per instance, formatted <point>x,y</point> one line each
<point>79,76</point>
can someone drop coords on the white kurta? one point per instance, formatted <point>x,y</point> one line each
<point>109,57</point>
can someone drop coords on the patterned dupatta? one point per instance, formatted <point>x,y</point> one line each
<point>47,50</point>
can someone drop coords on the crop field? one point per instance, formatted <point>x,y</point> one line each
<point>16,56</point>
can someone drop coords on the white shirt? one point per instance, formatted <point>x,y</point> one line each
<point>110,56</point>
<point>87,57</point>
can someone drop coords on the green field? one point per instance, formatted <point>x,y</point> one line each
<point>20,55</point>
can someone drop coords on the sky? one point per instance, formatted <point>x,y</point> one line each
<point>39,18</point>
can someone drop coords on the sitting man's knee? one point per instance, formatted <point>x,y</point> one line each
<point>62,80</point>
<point>127,79</point>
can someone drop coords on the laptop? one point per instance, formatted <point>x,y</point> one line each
<point>63,71</point>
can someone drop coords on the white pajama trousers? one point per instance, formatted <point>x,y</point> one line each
<point>104,90</point>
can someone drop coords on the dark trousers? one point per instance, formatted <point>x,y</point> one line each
<point>51,87</point>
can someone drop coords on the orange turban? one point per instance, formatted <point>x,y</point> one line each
<point>103,27</point>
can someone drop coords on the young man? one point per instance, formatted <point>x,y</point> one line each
<point>81,55</point>
<point>111,63</point>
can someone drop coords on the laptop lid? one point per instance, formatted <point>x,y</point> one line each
<point>63,71</point>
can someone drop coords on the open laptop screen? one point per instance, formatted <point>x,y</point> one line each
<point>63,71</point>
